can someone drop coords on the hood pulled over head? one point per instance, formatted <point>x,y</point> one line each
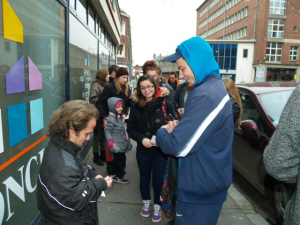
<point>111,103</point>
<point>200,57</point>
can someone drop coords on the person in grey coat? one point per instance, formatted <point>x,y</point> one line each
<point>282,155</point>
<point>99,142</point>
<point>118,141</point>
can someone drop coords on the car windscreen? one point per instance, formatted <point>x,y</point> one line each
<point>274,103</point>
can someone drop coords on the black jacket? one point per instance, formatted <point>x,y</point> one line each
<point>67,190</point>
<point>179,96</point>
<point>144,122</point>
<point>235,109</point>
<point>110,90</point>
<point>170,97</point>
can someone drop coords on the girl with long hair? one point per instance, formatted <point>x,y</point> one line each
<point>235,98</point>
<point>146,117</point>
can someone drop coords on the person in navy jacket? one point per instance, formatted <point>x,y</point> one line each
<point>203,138</point>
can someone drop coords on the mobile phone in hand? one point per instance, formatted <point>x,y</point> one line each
<point>170,117</point>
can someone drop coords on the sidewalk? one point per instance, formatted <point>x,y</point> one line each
<point>122,204</point>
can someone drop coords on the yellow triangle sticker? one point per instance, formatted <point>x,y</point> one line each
<point>12,26</point>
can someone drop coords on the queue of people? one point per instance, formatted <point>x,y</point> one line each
<point>157,138</point>
<point>201,139</point>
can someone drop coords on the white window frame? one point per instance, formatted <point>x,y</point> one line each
<point>123,28</point>
<point>274,52</point>
<point>122,53</point>
<point>274,28</point>
<point>277,7</point>
<point>294,53</point>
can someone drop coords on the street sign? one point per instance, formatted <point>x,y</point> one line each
<point>137,70</point>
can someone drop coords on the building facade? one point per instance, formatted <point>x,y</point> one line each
<point>271,24</point>
<point>50,51</point>
<point>124,51</point>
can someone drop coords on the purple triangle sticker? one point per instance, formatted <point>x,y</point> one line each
<point>35,76</point>
<point>15,78</point>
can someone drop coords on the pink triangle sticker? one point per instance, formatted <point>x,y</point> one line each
<point>35,76</point>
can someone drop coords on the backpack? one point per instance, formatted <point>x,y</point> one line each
<point>168,194</point>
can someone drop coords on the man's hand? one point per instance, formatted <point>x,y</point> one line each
<point>98,176</point>
<point>109,181</point>
<point>179,111</point>
<point>147,143</point>
<point>169,127</point>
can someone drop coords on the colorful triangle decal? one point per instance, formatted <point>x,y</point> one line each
<point>15,78</point>
<point>35,76</point>
<point>12,26</point>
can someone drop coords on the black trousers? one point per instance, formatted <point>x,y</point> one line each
<point>119,164</point>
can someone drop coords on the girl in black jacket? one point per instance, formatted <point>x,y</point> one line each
<point>145,118</point>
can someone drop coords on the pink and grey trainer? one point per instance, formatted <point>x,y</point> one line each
<point>146,208</point>
<point>156,213</point>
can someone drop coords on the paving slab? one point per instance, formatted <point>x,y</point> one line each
<point>122,204</point>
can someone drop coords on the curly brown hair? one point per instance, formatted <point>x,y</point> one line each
<point>149,65</point>
<point>73,115</point>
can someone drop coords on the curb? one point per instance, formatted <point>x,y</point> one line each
<point>246,207</point>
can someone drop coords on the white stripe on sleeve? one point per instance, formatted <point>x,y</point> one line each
<point>203,127</point>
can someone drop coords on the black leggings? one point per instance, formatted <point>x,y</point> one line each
<point>119,164</point>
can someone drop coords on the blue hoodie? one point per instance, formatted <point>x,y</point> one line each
<point>203,138</point>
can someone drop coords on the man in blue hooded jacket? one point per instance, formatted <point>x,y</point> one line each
<point>203,138</point>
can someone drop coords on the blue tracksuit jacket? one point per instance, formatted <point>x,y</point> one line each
<point>203,138</point>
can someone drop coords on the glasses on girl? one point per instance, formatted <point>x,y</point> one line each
<point>146,88</point>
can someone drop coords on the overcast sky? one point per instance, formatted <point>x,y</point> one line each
<point>159,26</point>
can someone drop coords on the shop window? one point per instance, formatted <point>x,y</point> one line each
<point>274,52</point>
<point>276,28</point>
<point>277,7</point>
<point>294,53</point>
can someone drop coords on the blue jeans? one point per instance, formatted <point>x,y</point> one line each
<point>155,164</point>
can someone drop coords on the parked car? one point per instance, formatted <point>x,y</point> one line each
<point>263,103</point>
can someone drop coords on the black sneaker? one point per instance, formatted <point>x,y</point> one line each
<point>121,180</point>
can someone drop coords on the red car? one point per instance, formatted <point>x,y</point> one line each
<point>263,103</point>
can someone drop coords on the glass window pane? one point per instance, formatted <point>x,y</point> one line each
<point>83,59</point>
<point>91,19</point>
<point>227,50</point>
<point>221,62</point>
<point>81,10</point>
<point>233,63</point>
<point>221,49</point>
<point>226,63</point>
<point>233,50</point>
<point>43,23</point>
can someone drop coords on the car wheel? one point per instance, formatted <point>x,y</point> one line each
<point>282,194</point>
